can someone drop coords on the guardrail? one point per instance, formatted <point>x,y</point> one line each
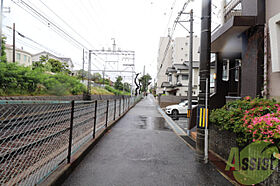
<point>233,8</point>
<point>38,136</point>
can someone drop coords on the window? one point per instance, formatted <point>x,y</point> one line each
<point>237,68</point>
<point>185,77</point>
<point>225,70</point>
<point>18,57</point>
<point>25,58</point>
<point>181,59</point>
<point>182,48</point>
<point>170,78</point>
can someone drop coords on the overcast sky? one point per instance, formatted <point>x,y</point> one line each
<point>135,24</point>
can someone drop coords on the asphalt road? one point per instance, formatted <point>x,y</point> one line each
<point>141,150</point>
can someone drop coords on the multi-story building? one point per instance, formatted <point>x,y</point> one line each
<point>272,48</point>
<point>239,47</point>
<point>163,62</point>
<point>36,57</point>
<point>22,57</point>
<point>174,76</point>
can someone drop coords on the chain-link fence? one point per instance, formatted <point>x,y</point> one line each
<point>36,137</point>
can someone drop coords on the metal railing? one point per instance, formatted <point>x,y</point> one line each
<point>233,8</point>
<point>36,137</point>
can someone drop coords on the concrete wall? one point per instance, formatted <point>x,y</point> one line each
<point>170,100</point>
<point>272,9</point>
<point>221,143</point>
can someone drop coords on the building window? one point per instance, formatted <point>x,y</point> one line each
<point>18,57</point>
<point>237,68</point>
<point>170,78</point>
<point>186,55</point>
<point>25,58</point>
<point>181,59</point>
<point>182,48</point>
<point>225,70</point>
<point>186,44</point>
<point>185,77</point>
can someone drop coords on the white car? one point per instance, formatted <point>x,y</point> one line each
<point>181,108</point>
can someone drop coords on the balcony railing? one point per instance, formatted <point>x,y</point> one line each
<point>232,8</point>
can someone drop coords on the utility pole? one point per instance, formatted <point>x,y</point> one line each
<point>204,73</point>
<point>190,71</point>
<point>89,72</point>
<point>14,42</point>
<point>1,17</point>
<point>83,65</point>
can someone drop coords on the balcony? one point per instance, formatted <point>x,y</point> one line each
<point>232,8</point>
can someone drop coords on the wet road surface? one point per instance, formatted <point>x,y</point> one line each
<point>141,149</point>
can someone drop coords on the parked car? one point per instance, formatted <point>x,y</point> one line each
<point>181,108</point>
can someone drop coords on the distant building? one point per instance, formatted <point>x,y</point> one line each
<point>36,57</point>
<point>22,57</point>
<point>173,71</point>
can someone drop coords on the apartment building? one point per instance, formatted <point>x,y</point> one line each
<point>239,47</point>
<point>173,76</point>
<point>164,60</point>
<point>272,50</point>
<point>22,57</point>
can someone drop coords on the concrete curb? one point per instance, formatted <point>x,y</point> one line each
<point>58,176</point>
<point>171,123</point>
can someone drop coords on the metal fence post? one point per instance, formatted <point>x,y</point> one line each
<point>71,131</point>
<point>107,112</point>
<point>120,106</point>
<point>115,109</point>
<point>95,117</point>
<point>123,104</point>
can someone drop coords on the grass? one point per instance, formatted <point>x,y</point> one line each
<point>100,91</point>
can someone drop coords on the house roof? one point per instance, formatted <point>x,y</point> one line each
<point>181,66</point>
<point>165,84</point>
<point>17,49</point>
<point>170,70</point>
<point>65,59</point>
<point>195,64</point>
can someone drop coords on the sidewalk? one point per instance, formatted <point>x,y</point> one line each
<point>141,149</point>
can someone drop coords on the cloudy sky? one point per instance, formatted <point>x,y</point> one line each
<point>135,24</point>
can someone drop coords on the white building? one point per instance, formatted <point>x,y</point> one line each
<point>22,57</point>
<point>173,77</point>
<point>163,62</point>
<point>36,57</point>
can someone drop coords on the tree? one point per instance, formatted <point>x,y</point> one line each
<point>51,65</point>
<point>145,81</point>
<point>126,87</point>
<point>3,57</point>
<point>96,77</point>
<point>118,84</point>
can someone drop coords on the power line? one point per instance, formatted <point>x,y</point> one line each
<point>65,23</point>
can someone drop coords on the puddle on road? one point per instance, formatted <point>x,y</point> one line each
<point>152,123</point>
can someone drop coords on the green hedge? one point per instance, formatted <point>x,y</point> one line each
<point>251,119</point>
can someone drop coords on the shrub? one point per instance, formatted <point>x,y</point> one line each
<point>20,80</point>
<point>239,116</point>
